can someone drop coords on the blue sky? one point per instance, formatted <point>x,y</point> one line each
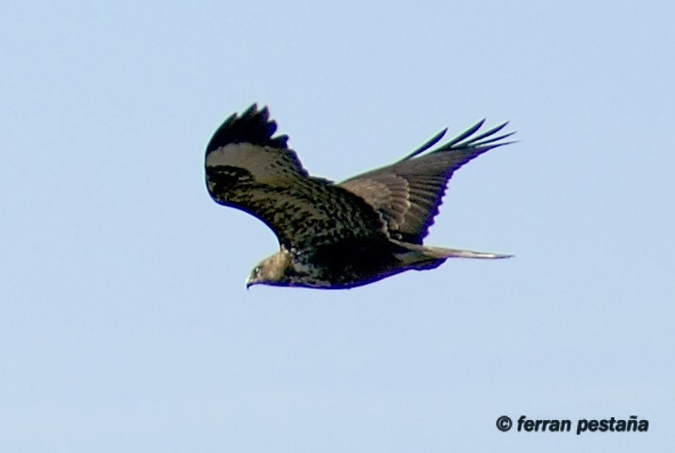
<point>124,321</point>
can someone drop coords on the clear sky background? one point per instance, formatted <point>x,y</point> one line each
<point>125,325</point>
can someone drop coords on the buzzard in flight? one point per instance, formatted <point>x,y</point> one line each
<point>344,235</point>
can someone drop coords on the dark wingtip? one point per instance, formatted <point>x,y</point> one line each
<point>484,141</point>
<point>428,144</point>
<point>253,126</point>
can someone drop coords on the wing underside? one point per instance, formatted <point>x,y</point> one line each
<point>249,169</point>
<point>407,194</point>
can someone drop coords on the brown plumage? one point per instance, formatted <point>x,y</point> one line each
<point>332,236</point>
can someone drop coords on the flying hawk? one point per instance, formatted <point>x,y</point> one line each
<point>344,235</point>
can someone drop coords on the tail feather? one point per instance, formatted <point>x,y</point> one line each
<point>422,253</point>
<point>441,252</point>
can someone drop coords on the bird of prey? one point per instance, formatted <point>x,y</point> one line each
<point>337,236</point>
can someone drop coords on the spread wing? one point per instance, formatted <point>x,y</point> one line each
<point>408,193</point>
<point>250,169</point>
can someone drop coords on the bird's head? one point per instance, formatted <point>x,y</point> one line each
<point>271,271</point>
